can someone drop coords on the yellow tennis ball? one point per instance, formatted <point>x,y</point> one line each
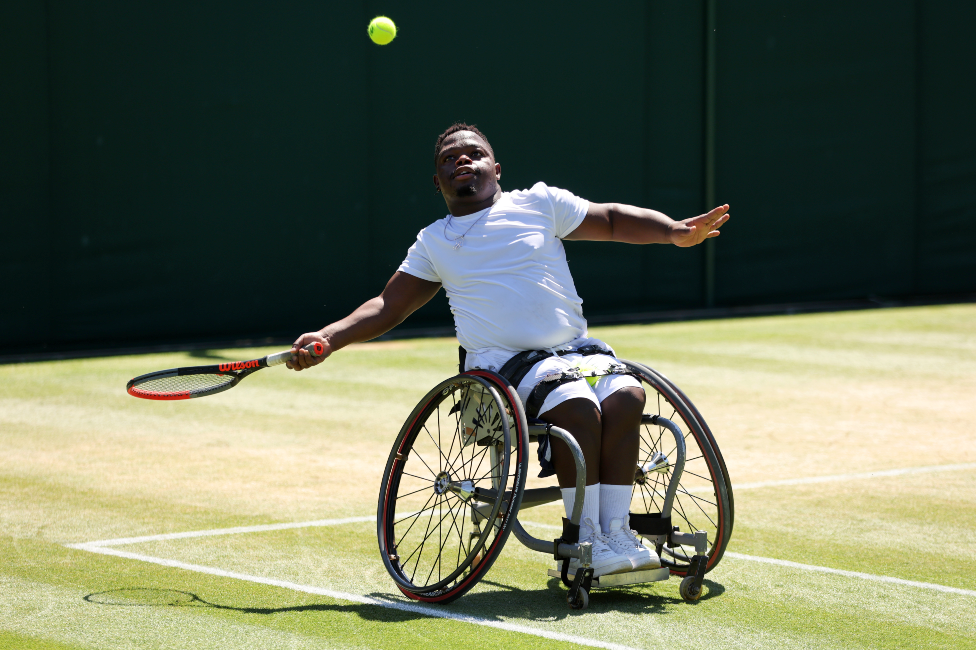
<point>381,30</point>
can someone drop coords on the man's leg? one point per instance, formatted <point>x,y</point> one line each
<point>581,417</point>
<point>620,435</point>
<point>619,455</point>
<point>622,411</point>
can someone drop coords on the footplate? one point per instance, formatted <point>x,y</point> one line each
<point>623,579</point>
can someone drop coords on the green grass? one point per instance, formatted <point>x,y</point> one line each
<point>788,397</point>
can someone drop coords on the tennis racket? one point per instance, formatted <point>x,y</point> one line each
<point>201,381</point>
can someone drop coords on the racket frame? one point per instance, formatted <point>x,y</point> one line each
<point>236,370</point>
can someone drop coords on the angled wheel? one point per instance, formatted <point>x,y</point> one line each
<point>452,486</point>
<point>708,434</point>
<point>703,500</point>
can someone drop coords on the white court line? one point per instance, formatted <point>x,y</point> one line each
<point>851,574</point>
<point>425,610</point>
<point>851,477</point>
<point>101,547</point>
<point>819,479</point>
<point>121,541</point>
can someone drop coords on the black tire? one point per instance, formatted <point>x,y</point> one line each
<point>433,549</point>
<point>704,497</point>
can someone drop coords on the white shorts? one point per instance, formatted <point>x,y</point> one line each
<point>595,389</point>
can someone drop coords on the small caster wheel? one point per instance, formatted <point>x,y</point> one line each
<point>688,590</point>
<point>582,600</point>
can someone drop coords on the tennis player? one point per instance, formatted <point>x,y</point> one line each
<point>500,258</point>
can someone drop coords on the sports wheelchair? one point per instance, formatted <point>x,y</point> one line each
<point>453,489</point>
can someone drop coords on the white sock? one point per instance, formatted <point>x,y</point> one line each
<point>591,505</point>
<point>614,504</point>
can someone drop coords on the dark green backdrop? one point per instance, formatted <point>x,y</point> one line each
<point>198,171</point>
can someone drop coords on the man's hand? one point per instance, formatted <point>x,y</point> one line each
<point>697,229</point>
<point>303,358</point>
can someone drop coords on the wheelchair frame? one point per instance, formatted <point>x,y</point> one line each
<point>461,485</point>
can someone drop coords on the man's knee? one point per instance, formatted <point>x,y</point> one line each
<point>579,416</point>
<point>627,402</point>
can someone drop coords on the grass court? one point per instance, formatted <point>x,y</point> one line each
<point>245,520</point>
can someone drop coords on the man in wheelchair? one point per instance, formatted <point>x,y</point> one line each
<point>499,257</point>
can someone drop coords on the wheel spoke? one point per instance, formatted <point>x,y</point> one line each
<point>400,496</point>
<point>458,531</point>
<point>443,458</point>
<point>421,546</point>
<point>704,478</point>
<point>416,453</point>
<point>416,516</point>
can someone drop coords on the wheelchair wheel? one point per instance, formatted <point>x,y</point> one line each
<point>711,439</point>
<point>452,487</point>
<point>703,500</point>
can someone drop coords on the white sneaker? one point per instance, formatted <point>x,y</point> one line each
<point>605,560</point>
<point>621,539</point>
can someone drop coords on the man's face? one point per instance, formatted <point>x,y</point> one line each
<point>466,168</point>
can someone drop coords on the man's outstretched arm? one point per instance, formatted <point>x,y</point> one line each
<point>403,295</point>
<point>632,225</point>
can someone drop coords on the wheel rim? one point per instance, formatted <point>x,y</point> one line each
<point>449,449</point>
<point>702,498</point>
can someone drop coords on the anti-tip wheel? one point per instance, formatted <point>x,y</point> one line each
<point>688,591</point>
<point>582,600</point>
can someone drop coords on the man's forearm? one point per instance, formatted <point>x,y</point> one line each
<point>373,318</point>
<point>624,223</point>
<point>632,225</point>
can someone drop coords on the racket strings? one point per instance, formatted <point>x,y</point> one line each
<point>185,384</point>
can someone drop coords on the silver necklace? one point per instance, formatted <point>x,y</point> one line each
<point>459,240</point>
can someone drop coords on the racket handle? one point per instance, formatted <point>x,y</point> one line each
<point>315,349</point>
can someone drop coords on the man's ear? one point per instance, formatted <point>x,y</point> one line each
<point>437,184</point>
<point>498,171</point>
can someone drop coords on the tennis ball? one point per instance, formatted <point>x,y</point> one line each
<point>381,30</point>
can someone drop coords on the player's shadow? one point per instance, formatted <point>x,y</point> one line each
<point>545,604</point>
<point>549,603</point>
<point>151,597</point>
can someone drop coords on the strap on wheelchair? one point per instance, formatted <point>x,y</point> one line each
<point>650,524</point>
<point>549,383</point>
<point>516,368</point>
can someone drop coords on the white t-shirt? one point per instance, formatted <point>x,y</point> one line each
<point>508,284</point>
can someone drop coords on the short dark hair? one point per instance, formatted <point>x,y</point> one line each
<point>454,128</point>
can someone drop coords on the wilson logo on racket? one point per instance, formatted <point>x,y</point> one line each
<point>200,381</point>
<point>240,365</point>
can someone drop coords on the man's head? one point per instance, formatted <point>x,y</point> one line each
<point>465,169</point>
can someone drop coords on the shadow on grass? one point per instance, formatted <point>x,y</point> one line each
<point>547,604</point>
<point>151,597</point>
<point>210,354</point>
